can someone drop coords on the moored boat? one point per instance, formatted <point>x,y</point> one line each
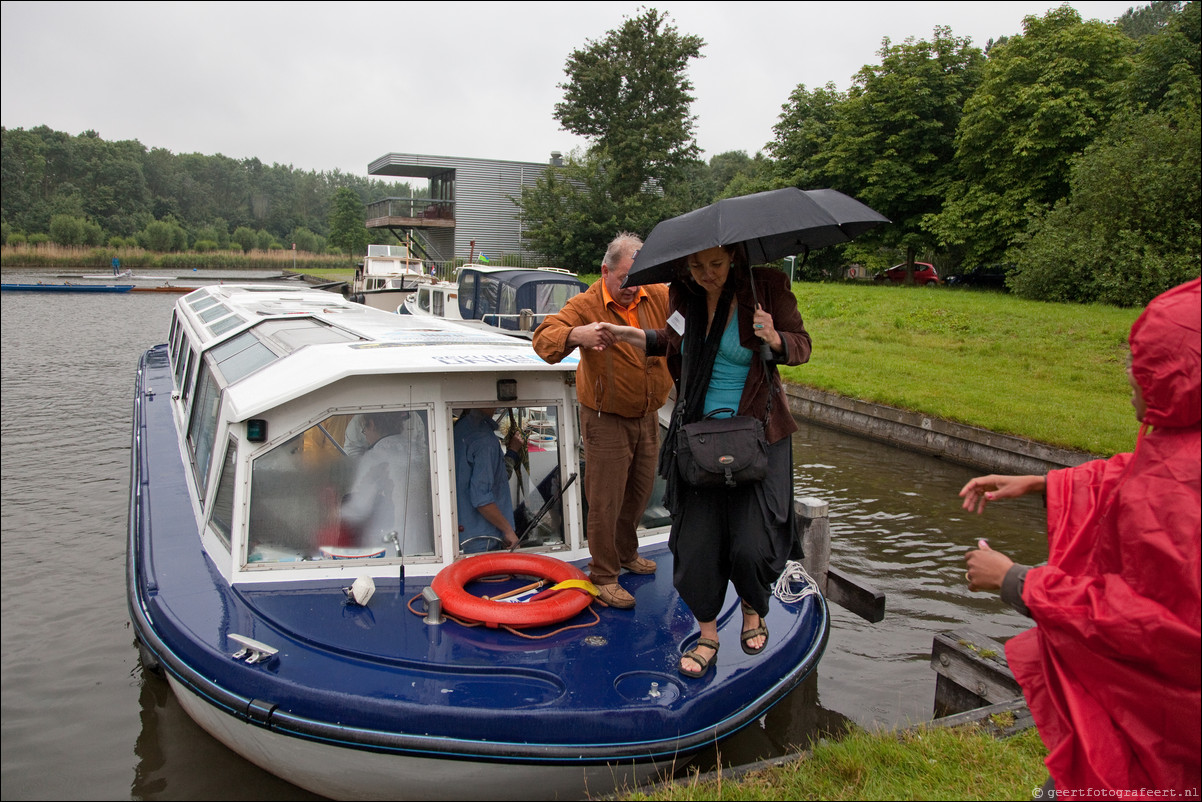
<point>386,276</point>
<point>516,299</point>
<point>305,635</point>
<point>65,287</point>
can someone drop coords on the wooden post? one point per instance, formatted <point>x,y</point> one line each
<point>814,531</point>
<point>972,672</point>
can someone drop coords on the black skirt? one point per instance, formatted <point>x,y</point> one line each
<point>743,535</point>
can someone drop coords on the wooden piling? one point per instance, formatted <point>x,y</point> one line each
<point>972,673</point>
<point>851,593</point>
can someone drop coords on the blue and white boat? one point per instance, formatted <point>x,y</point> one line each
<point>324,661</point>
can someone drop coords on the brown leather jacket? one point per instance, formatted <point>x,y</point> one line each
<point>621,379</point>
<point>777,299</point>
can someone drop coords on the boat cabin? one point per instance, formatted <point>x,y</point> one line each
<point>319,435</point>
<point>386,276</point>
<point>514,299</point>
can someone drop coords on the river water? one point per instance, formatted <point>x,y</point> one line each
<point>81,721</point>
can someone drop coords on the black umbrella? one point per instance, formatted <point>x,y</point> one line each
<point>771,225</point>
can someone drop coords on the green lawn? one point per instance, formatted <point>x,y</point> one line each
<point>920,764</point>
<point>1054,373</point>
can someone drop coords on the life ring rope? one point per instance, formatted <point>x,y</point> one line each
<point>548,607</point>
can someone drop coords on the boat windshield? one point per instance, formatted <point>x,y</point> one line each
<point>361,486</point>
<point>351,486</point>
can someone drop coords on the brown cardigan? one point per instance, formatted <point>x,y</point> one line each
<point>777,299</point>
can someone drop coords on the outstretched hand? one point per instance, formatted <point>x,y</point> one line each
<point>984,489</point>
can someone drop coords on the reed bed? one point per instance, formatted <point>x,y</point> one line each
<point>49,255</point>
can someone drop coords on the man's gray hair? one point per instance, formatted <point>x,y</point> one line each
<point>623,245</point>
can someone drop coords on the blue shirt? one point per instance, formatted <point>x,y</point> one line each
<point>480,478</point>
<point>730,371</point>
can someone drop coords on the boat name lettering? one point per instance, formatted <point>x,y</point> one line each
<point>485,359</point>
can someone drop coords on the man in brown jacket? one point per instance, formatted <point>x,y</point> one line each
<point>620,391</point>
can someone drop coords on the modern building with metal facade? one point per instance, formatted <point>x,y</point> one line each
<point>470,209</point>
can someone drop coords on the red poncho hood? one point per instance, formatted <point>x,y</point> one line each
<point>1111,673</point>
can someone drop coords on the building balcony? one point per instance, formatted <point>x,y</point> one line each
<point>411,213</point>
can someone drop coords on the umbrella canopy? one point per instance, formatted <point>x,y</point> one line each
<point>771,225</point>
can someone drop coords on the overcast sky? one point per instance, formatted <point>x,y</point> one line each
<point>336,85</point>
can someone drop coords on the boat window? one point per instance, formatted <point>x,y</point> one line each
<point>532,482</point>
<point>293,333</point>
<point>174,340</point>
<point>467,296</point>
<point>189,374</point>
<point>423,299</point>
<point>202,303</point>
<point>550,297</point>
<point>439,309</point>
<point>241,356</point>
<point>213,312</point>
<point>181,363</point>
<point>225,324</point>
<point>202,428</point>
<point>350,487</point>
<point>223,502</point>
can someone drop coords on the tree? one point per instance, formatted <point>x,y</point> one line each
<point>1140,21</point>
<point>1044,96</point>
<point>1166,69</point>
<point>66,230</point>
<point>1131,228</point>
<point>348,231</point>
<point>892,139</point>
<point>244,237</point>
<point>570,214</point>
<point>629,95</point>
<point>802,132</point>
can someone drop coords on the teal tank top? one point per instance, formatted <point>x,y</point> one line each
<point>730,371</point>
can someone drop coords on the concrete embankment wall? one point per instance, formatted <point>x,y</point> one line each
<point>966,445</point>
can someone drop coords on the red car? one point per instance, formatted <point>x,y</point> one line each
<point>924,275</point>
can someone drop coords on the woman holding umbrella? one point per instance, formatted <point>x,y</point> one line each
<point>729,327</point>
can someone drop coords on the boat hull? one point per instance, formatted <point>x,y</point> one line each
<point>341,772</point>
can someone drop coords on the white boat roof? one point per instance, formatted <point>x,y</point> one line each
<point>334,339</point>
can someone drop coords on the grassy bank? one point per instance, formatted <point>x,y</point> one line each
<point>1050,372</point>
<point>923,764</point>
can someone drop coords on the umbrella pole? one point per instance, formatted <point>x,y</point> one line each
<point>765,348</point>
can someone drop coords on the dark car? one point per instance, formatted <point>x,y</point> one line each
<point>924,275</point>
<point>989,276</point>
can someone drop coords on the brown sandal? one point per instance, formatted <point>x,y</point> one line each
<point>704,662</point>
<point>750,634</point>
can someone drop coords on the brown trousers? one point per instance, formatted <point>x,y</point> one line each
<point>620,456</point>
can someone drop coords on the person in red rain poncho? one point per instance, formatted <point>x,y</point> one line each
<point>1111,671</point>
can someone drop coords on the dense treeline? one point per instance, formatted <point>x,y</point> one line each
<point>1069,152</point>
<point>85,190</point>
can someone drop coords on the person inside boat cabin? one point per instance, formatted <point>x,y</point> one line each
<point>621,390</point>
<point>386,503</point>
<point>484,503</point>
<point>1110,673</point>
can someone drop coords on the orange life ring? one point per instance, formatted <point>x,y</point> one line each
<point>450,582</point>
